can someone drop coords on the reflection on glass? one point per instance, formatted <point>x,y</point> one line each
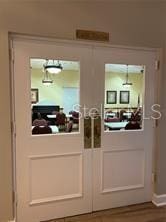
<point>54,96</point>
<point>124,88</point>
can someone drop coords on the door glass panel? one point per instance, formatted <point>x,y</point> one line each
<point>55,95</point>
<point>124,91</point>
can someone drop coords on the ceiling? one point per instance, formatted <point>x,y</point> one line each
<point>72,65</point>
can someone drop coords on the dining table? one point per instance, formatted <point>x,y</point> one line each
<point>53,116</point>
<point>115,125</point>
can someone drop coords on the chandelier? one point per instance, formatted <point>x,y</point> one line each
<point>47,80</point>
<point>127,83</point>
<point>52,67</point>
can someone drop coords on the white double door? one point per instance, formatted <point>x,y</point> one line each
<point>55,175</point>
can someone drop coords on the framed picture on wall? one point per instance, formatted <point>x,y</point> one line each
<point>124,97</point>
<point>111,97</point>
<point>34,95</point>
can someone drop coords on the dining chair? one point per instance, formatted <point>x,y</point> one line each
<point>41,130</point>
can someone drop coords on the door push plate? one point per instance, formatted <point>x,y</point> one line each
<point>97,132</point>
<point>87,133</point>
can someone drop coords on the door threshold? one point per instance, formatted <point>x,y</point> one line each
<point>107,212</point>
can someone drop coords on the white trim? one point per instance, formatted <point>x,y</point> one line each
<point>53,199</point>
<point>36,38</point>
<point>12,101</point>
<point>17,36</point>
<point>159,200</point>
<point>57,198</point>
<point>129,187</point>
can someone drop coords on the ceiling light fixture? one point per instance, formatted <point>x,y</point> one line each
<point>127,84</point>
<point>53,68</point>
<point>47,80</point>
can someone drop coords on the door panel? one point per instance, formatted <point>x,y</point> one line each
<point>123,165</point>
<point>53,171</point>
<point>47,192</point>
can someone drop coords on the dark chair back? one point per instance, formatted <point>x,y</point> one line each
<point>60,119</point>
<point>132,126</point>
<point>41,130</point>
<point>122,118</point>
<point>75,116</point>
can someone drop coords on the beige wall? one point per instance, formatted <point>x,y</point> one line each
<point>114,81</point>
<point>5,135</point>
<point>54,92</point>
<point>68,78</point>
<point>134,23</point>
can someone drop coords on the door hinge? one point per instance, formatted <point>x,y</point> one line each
<point>14,197</point>
<point>157,64</point>
<point>11,54</point>
<point>154,177</point>
<point>13,128</point>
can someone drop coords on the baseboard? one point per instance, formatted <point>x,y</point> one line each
<point>159,200</point>
<point>14,220</point>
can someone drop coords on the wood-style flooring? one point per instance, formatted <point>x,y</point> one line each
<point>146,212</point>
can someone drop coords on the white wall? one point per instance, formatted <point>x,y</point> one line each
<point>134,23</point>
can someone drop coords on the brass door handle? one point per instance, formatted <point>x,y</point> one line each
<point>97,132</point>
<point>87,133</point>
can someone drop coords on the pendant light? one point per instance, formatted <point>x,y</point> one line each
<point>127,84</point>
<point>52,67</point>
<point>47,80</point>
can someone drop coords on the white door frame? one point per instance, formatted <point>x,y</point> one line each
<point>12,37</point>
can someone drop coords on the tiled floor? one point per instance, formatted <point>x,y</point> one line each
<point>146,212</point>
